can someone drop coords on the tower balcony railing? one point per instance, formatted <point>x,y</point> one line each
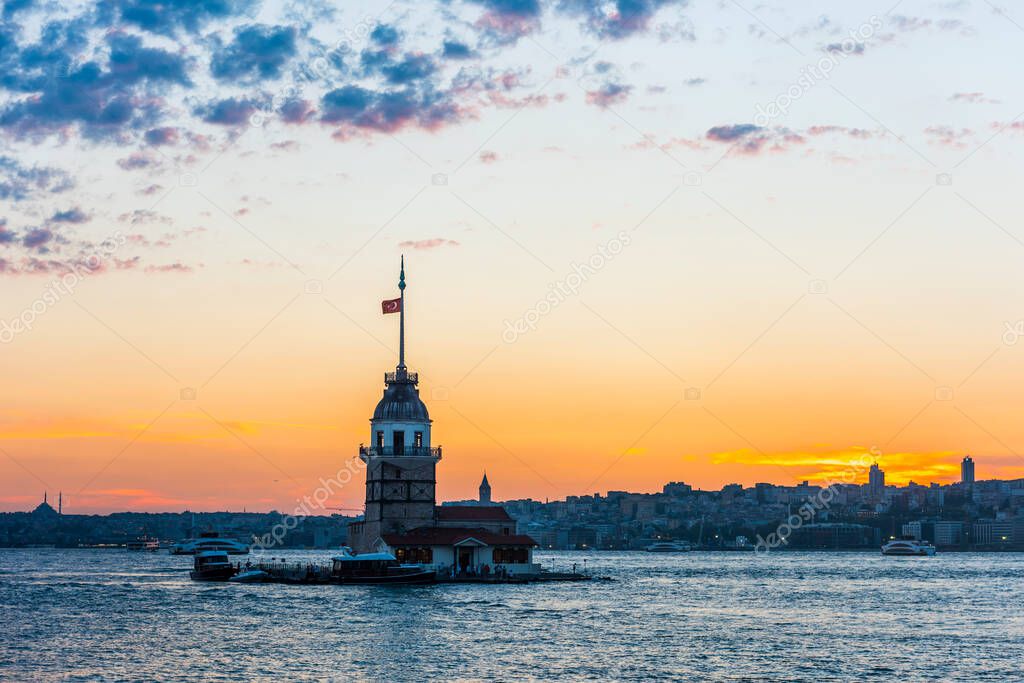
<point>398,377</point>
<point>407,451</point>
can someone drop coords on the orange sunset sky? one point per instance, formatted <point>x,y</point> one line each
<point>708,294</point>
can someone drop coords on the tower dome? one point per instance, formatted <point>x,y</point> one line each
<point>401,400</point>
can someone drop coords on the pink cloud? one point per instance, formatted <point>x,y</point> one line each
<point>428,244</point>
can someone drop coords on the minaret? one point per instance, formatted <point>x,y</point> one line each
<point>400,463</point>
<point>485,491</point>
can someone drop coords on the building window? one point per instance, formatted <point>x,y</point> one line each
<point>505,531</point>
<point>511,555</point>
<point>380,440</point>
<point>419,440</point>
<point>414,555</point>
<point>398,443</point>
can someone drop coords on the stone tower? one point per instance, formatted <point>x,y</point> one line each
<point>400,463</point>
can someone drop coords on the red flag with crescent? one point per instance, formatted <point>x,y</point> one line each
<point>391,306</point>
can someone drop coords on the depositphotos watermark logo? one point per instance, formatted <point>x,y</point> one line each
<point>812,74</point>
<point>58,289</point>
<point>566,287</point>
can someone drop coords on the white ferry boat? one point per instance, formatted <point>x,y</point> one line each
<point>668,547</point>
<point>909,547</point>
<point>210,540</point>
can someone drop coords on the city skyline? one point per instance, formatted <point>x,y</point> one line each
<point>692,241</point>
<point>308,507</point>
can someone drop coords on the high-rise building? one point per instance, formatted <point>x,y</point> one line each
<point>967,470</point>
<point>876,481</point>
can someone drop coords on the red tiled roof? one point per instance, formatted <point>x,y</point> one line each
<point>431,535</point>
<point>472,513</point>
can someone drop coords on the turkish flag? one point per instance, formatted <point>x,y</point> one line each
<point>391,306</point>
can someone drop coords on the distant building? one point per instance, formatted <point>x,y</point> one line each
<point>941,533</point>
<point>485,491</point>
<point>876,481</point>
<point>967,470</point>
<point>676,488</point>
<point>44,510</point>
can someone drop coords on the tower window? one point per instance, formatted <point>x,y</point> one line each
<point>419,440</point>
<point>398,443</point>
<point>380,440</point>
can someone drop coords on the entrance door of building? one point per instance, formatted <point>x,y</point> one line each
<point>465,559</point>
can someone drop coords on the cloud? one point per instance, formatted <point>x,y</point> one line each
<point>851,464</point>
<point>948,136</point>
<point>609,94</point>
<point>383,34</point>
<point>297,111</point>
<point>506,21</point>
<point>19,182</point>
<point>102,102</point>
<point>856,49</point>
<point>749,139</point>
<point>411,68</point>
<point>161,136</point>
<point>258,52</point>
<point>6,236</point>
<point>137,161</point>
<point>615,20</point>
<point>75,215</point>
<point>170,17</point>
<point>428,244</point>
<point>138,75</point>
<point>176,267</point>
<point>905,24</point>
<point>12,7</point>
<point>142,216</point>
<point>37,238</point>
<point>972,98</point>
<point>859,133</point>
<point>228,112</point>
<point>453,49</point>
<point>732,132</point>
<point>387,111</point>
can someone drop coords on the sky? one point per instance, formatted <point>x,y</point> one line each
<point>645,241</point>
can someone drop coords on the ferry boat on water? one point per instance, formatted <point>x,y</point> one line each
<point>209,540</point>
<point>908,547</point>
<point>368,568</point>
<point>346,568</point>
<point>212,565</point>
<point>149,545</point>
<point>669,547</point>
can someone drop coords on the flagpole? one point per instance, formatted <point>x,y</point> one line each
<point>401,319</point>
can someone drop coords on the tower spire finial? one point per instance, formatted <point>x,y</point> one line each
<point>401,321</point>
